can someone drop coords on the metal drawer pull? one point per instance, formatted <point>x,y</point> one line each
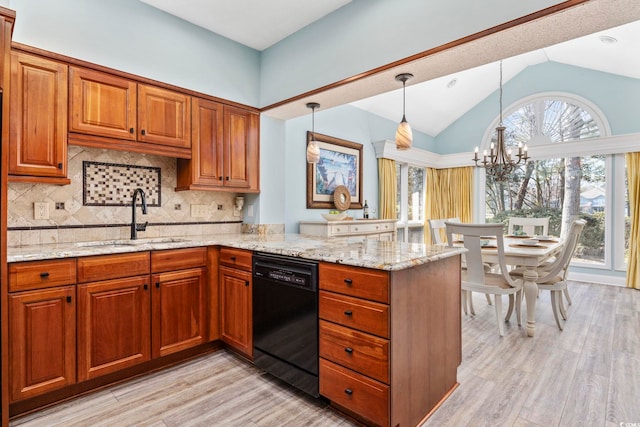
<point>44,274</point>
<point>146,286</point>
<point>348,313</point>
<point>232,258</point>
<point>158,285</point>
<point>68,298</point>
<point>348,391</point>
<point>348,281</point>
<point>348,350</point>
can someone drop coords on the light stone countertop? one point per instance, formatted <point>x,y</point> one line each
<point>354,251</point>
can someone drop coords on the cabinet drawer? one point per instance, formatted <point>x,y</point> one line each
<point>178,259</point>
<point>354,281</point>
<point>367,316</point>
<point>364,396</point>
<point>363,227</point>
<point>104,267</point>
<point>41,274</point>
<point>355,350</point>
<point>338,229</point>
<point>237,258</point>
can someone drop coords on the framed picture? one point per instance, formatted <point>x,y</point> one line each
<point>340,164</point>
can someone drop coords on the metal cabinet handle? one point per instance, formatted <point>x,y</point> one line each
<point>348,391</point>
<point>232,258</point>
<point>227,178</point>
<point>158,285</point>
<point>143,132</point>
<point>131,130</point>
<point>44,274</point>
<point>68,298</point>
<point>220,179</point>
<point>60,166</point>
<point>146,286</point>
<point>246,283</point>
<point>348,281</point>
<point>348,313</point>
<point>348,350</point>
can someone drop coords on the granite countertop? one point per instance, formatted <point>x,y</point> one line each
<point>355,251</point>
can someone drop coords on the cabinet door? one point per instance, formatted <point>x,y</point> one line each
<point>236,309</point>
<point>237,139</point>
<point>204,169</point>
<point>38,124</point>
<point>179,319</point>
<point>164,117</point>
<point>102,104</point>
<point>113,325</point>
<point>42,341</point>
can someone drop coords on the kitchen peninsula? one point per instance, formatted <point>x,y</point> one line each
<point>389,312</point>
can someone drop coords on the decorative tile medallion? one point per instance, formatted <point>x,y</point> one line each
<point>111,184</point>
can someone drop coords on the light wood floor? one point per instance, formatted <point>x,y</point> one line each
<point>586,375</point>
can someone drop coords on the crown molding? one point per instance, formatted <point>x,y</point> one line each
<point>617,144</point>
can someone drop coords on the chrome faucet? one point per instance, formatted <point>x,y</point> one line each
<point>135,227</point>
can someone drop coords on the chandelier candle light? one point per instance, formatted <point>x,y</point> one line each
<point>404,135</point>
<point>499,163</point>
<point>313,151</point>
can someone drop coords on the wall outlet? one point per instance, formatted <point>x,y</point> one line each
<point>40,210</point>
<point>199,211</point>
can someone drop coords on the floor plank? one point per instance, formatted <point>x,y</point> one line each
<point>586,375</point>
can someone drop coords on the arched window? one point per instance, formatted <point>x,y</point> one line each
<point>558,187</point>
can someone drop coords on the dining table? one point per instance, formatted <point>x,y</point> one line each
<point>523,251</point>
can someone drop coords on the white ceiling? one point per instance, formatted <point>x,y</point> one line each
<point>254,23</point>
<point>432,104</point>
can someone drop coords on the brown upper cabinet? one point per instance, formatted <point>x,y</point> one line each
<point>38,120</point>
<point>224,150</point>
<point>104,105</point>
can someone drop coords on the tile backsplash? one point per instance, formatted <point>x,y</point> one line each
<point>71,219</point>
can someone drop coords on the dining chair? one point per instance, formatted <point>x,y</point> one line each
<point>437,227</point>
<point>475,277</point>
<point>528,225</point>
<point>553,277</point>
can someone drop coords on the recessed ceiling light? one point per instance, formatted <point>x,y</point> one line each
<point>452,83</point>
<point>608,39</point>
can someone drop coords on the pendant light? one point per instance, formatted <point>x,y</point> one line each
<point>313,152</point>
<point>404,135</point>
<point>498,163</point>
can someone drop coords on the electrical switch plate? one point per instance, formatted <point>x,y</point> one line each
<point>40,210</point>
<point>250,210</point>
<point>199,211</point>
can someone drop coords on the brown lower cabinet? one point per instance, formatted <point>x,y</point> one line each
<point>179,317</point>
<point>236,305</point>
<point>43,341</point>
<point>114,325</point>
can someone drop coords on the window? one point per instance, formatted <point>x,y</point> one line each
<point>410,202</point>
<point>571,184</point>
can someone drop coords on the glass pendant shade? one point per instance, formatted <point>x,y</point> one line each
<point>313,151</point>
<point>404,134</point>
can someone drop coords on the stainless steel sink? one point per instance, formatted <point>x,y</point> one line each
<point>123,242</point>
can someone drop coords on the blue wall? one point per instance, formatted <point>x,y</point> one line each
<point>130,36</point>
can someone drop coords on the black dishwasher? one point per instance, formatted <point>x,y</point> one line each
<point>285,319</point>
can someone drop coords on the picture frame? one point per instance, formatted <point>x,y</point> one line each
<point>340,164</point>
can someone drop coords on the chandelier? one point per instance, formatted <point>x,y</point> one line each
<point>499,163</point>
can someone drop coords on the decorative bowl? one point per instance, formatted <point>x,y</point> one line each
<point>530,242</point>
<point>334,217</point>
